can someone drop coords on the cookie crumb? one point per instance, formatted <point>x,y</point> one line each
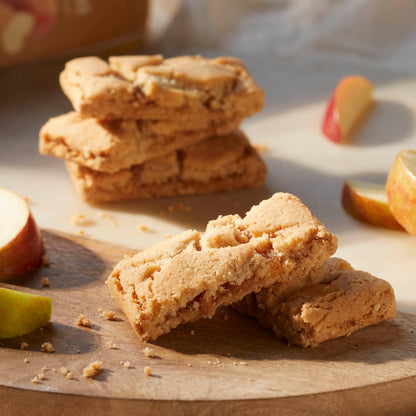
<point>243,363</point>
<point>80,220</point>
<point>178,207</point>
<point>93,369</point>
<point>44,368</point>
<point>127,364</point>
<point>24,345</point>
<point>83,321</point>
<point>45,282</point>
<point>260,147</point>
<point>47,347</point>
<point>107,216</point>
<point>189,365</point>
<point>35,380</point>
<point>45,259</point>
<point>64,371</point>
<point>148,352</point>
<point>109,315</point>
<point>142,227</point>
<point>26,360</point>
<point>41,376</point>
<point>111,345</point>
<point>147,371</point>
<point>69,376</point>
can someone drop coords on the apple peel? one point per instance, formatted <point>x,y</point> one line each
<point>350,101</point>
<point>21,245</point>
<point>401,190</point>
<point>367,202</point>
<point>21,312</point>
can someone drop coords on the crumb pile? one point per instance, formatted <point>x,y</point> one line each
<point>146,127</point>
<point>274,264</point>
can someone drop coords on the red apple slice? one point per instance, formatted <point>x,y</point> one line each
<point>21,246</point>
<point>350,101</point>
<point>401,190</point>
<point>367,202</point>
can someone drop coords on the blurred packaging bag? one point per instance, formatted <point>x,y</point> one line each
<point>33,29</point>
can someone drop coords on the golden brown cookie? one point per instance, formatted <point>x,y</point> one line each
<point>189,276</point>
<point>216,164</point>
<point>150,87</point>
<point>329,302</point>
<point>109,146</point>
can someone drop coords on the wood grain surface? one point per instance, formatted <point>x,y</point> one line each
<point>227,365</point>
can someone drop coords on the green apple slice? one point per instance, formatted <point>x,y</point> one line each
<point>21,312</point>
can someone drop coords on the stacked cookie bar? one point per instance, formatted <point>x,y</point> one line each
<point>145,127</point>
<point>274,264</point>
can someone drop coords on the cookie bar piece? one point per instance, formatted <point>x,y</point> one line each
<point>265,305</point>
<point>150,87</point>
<point>341,301</point>
<point>189,276</point>
<point>109,146</point>
<point>215,164</point>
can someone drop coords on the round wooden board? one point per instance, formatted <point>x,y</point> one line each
<point>227,365</point>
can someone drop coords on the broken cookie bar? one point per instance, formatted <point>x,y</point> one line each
<point>336,301</point>
<point>189,276</point>
<point>150,87</point>
<point>109,146</point>
<point>265,305</point>
<point>215,164</point>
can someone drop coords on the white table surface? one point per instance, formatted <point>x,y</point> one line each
<point>300,160</point>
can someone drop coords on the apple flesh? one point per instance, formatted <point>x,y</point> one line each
<point>401,190</point>
<point>21,246</point>
<point>350,101</point>
<point>367,202</point>
<point>21,313</point>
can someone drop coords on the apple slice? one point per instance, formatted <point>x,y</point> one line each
<point>21,313</point>
<point>44,12</point>
<point>21,246</point>
<point>367,202</point>
<point>350,101</point>
<point>401,190</point>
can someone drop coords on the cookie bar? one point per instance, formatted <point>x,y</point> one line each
<point>265,305</point>
<point>336,301</point>
<point>189,276</point>
<point>215,164</point>
<point>150,87</point>
<point>109,146</point>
